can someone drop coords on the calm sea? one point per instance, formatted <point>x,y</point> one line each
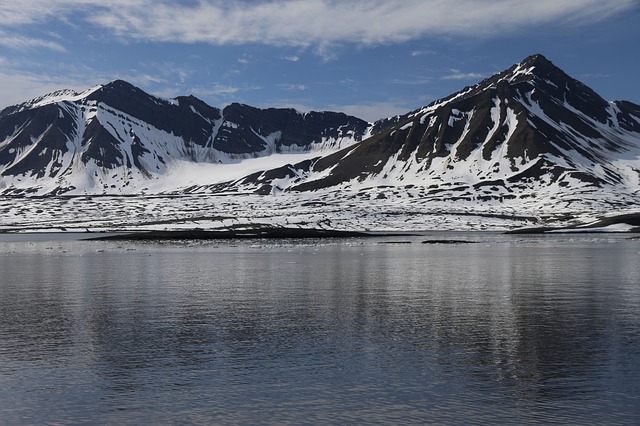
<point>508,330</point>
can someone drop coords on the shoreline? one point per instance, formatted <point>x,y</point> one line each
<point>628,223</point>
<point>254,233</point>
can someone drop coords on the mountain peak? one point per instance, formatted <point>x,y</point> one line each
<point>532,68</point>
<point>118,85</point>
<point>535,71</point>
<point>537,59</point>
<point>116,88</point>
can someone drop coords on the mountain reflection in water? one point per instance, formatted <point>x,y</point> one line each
<point>517,330</point>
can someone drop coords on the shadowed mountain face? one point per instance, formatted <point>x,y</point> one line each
<point>528,133</point>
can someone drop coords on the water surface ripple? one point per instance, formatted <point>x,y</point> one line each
<point>510,330</point>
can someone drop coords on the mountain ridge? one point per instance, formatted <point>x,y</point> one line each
<point>84,139</point>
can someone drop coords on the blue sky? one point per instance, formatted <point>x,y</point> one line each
<point>370,58</point>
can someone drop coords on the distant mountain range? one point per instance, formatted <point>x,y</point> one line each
<point>530,135</point>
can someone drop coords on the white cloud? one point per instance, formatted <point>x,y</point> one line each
<point>300,87</point>
<point>145,79</point>
<point>245,59</point>
<point>308,23</point>
<point>17,13</point>
<point>19,42</point>
<point>422,52</point>
<point>218,91</point>
<point>292,58</point>
<point>459,75</point>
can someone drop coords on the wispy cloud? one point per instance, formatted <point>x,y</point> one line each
<point>220,90</point>
<point>292,58</point>
<point>217,89</point>
<point>422,52</point>
<point>18,13</point>
<point>308,23</point>
<point>459,75</point>
<point>300,87</point>
<point>19,42</point>
<point>244,59</point>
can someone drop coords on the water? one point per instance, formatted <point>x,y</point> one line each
<point>511,330</point>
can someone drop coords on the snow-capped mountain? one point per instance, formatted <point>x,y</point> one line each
<point>527,146</point>
<point>530,134</point>
<point>116,138</point>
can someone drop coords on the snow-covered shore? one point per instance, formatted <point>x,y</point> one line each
<point>361,211</point>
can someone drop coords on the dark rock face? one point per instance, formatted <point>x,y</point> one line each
<point>188,118</point>
<point>246,129</point>
<point>48,125</point>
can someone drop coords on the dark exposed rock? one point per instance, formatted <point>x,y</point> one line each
<point>448,242</point>
<point>245,128</point>
<point>265,232</point>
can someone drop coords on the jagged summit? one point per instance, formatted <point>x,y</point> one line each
<point>118,84</point>
<point>536,59</point>
<point>544,76</point>
<point>534,67</point>
<point>536,70</point>
<point>537,65</point>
